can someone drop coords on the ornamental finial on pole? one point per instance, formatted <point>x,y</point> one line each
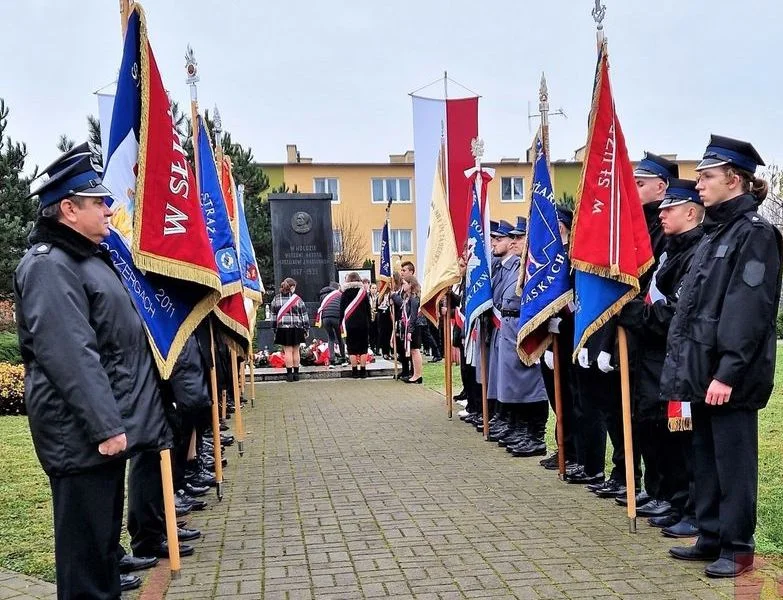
<point>477,147</point>
<point>217,123</point>
<point>191,67</point>
<point>599,12</point>
<point>477,150</point>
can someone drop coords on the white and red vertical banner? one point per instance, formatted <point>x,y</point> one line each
<point>457,121</point>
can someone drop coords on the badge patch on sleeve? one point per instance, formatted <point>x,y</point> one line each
<point>753,274</point>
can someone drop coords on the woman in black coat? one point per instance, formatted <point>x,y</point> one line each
<point>355,316</point>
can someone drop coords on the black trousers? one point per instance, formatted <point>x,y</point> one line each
<point>677,484</point>
<point>725,467</point>
<point>146,520</point>
<point>332,327</point>
<point>405,361</point>
<point>566,396</point>
<point>650,437</point>
<point>430,339</point>
<point>589,424</point>
<point>384,323</point>
<point>87,525</point>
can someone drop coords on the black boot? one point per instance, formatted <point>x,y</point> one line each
<point>536,445</point>
<point>362,373</point>
<point>289,374</point>
<point>354,373</point>
<point>296,373</point>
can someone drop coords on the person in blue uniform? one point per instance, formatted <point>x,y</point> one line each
<point>647,321</point>
<point>520,389</point>
<point>91,389</point>
<point>720,352</point>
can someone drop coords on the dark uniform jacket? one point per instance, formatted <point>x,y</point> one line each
<point>188,381</point>
<point>89,373</point>
<point>360,318</point>
<point>332,311</point>
<point>724,326</point>
<point>648,324</point>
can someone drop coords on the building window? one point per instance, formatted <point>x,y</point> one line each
<point>512,189</point>
<point>400,241</point>
<point>328,185</point>
<point>399,190</point>
<point>337,240</point>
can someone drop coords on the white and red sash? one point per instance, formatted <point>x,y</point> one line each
<point>330,297</point>
<point>286,308</point>
<point>496,317</point>
<point>351,308</point>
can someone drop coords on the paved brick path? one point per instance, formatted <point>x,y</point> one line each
<point>15,586</point>
<point>358,489</point>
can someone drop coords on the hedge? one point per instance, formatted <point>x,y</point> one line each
<point>11,389</point>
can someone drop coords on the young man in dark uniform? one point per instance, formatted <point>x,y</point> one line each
<point>647,320</point>
<point>91,388</point>
<point>720,353</point>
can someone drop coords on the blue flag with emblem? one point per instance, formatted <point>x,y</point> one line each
<point>478,283</point>
<point>252,285</point>
<point>385,274</point>
<point>213,206</point>
<point>544,283</point>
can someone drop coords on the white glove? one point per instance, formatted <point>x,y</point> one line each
<point>605,362</point>
<point>554,325</point>
<point>549,359</point>
<point>582,359</point>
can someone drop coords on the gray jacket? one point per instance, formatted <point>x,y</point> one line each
<point>89,372</point>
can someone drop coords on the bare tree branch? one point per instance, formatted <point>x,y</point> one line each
<point>352,253</point>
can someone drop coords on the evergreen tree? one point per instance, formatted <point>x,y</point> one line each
<point>65,143</point>
<point>16,213</point>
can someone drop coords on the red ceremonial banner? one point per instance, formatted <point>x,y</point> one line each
<point>169,235</point>
<point>609,234</point>
<point>461,128</point>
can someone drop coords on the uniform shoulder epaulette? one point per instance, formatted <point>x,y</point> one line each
<point>42,249</point>
<point>756,218</point>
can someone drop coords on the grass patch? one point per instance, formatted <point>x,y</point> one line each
<point>25,504</point>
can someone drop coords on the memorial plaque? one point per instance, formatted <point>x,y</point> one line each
<point>302,241</point>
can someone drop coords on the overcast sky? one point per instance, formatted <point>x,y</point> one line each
<point>333,76</point>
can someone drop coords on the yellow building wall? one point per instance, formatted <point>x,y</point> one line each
<point>355,209</point>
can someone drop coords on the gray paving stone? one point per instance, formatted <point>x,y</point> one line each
<point>363,490</point>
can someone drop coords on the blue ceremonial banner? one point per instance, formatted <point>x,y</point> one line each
<point>251,279</point>
<point>544,282</point>
<point>478,283</point>
<point>385,274</point>
<point>219,230</point>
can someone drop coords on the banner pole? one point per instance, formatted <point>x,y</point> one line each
<point>240,426</point>
<point>558,407</point>
<point>215,418</point>
<point>484,401</point>
<point>447,355</point>
<point>630,481</point>
<point>252,377</point>
<point>170,512</point>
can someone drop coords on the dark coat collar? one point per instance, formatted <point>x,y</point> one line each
<point>652,213</point>
<point>682,241</point>
<point>51,231</point>
<point>728,211</point>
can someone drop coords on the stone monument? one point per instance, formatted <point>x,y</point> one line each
<point>302,241</point>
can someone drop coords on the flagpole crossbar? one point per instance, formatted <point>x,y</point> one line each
<point>442,80</point>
